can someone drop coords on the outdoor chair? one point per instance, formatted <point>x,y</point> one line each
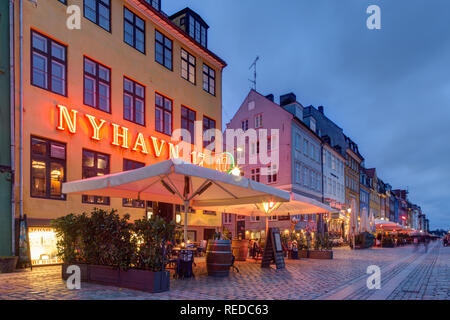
<point>184,265</point>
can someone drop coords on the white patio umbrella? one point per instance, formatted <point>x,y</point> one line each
<point>179,182</point>
<point>353,223</point>
<point>364,221</point>
<point>372,222</point>
<point>297,205</point>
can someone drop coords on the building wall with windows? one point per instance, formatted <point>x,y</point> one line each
<point>333,177</point>
<point>5,135</point>
<point>125,67</point>
<point>353,163</point>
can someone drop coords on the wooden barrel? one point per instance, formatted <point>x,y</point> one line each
<point>240,249</point>
<point>218,258</point>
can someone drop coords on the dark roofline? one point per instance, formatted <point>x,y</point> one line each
<point>177,28</point>
<point>312,107</point>
<point>282,108</point>
<point>187,9</point>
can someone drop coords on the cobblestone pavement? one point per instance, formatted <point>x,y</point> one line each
<point>405,273</point>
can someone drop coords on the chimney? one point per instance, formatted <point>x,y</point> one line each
<point>270,97</point>
<point>321,109</point>
<point>287,99</point>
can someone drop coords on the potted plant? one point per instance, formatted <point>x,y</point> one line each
<point>322,248</point>
<point>8,264</point>
<point>302,247</point>
<point>112,251</point>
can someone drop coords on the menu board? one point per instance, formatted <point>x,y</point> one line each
<point>276,237</point>
<point>273,251</point>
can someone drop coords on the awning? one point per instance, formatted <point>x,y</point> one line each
<point>165,182</point>
<point>297,205</point>
<point>179,182</point>
<point>386,225</point>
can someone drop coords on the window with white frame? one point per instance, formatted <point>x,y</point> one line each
<point>255,218</point>
<point>298,172</point>
<point>258,121</point>
<point>305,146</point>
<point>305,174</point>
<point>273,218</point>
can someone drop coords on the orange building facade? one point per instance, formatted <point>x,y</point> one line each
<point>106,98</point>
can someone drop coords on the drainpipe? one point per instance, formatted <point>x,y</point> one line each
<point>12,119</point>
<point>21,110</point>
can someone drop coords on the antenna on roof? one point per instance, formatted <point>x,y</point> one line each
<point>254,72</point>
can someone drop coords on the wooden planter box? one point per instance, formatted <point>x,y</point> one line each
<point>8,264</point>
<point>303,253</point>
<point>143,280</point>
<point>318,254</point>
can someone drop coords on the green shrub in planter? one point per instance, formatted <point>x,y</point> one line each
<point>153,235</point>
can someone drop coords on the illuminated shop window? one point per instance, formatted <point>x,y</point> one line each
<point>95,164</point>
<point>43,246</point>
<point>48,167</point>
<point>48,64</point>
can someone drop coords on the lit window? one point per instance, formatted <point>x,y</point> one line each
<point>48,167</point>
<point>95,164</point>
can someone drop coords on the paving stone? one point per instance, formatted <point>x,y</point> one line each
<point>301,279</point>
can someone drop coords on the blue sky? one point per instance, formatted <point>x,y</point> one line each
<point>388,89</point>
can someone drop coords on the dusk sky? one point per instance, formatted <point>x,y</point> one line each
<point>388,89</point>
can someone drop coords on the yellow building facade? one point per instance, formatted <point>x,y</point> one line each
<point>103,99</point>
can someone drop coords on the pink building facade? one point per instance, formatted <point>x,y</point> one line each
<point>289,157</point>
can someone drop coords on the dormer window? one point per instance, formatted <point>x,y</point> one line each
<point>155,4</point>
<point>197,30</point>
<point>191,23</point>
